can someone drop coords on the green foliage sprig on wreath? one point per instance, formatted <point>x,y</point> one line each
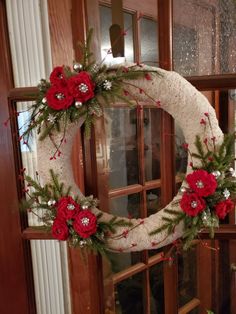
<point>209,194</point>
<point>69,218</point>
<point>80,92</point>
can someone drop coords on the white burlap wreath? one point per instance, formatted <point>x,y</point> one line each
<point>187,106</point>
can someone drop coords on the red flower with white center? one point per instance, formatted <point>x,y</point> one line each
<point>85,224</point>
<point>202,182</point>
<point>58,98</point>
<point>81,86</point>
<point>67,208</point>
<point>60,230</point>
<point>223,208</point>
<point>192,204</point>
<point>57,77</point>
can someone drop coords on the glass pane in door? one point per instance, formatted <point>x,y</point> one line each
<point>181,156</point>
<point>105,23</point>
<point>149,41</point>
<point>187,277</point>
<point>121,146</point>
<point>152,127</point>
<point>204,37</point>
<point>156,281</point>
<point>129,295</point>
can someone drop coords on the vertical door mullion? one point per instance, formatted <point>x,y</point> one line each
<point>141,160</point>
<point>84,15</point>
<point>137,41</point>
<point>165,8</point>
<point>147,303</point>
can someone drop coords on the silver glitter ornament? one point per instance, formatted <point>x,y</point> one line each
<point>83,88</point>
<point>70,207</point>
<point>44,100</point>
<point>51,202</point>
<point>85,205</point>
<point>232,171</point>
<point>82,243</point>
<point>77,67</point>
<point>204,216</point>
<point>78,104</point>
<point>216,173</point>
<point>182,189</point>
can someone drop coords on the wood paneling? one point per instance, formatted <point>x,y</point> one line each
<point>189,306</point>
<point>93,21</point>
<point>232,256</point>
<point>147,7</point>
<point>60,31</point>
<point>204,277</point>
<point>78,25</point>
<point>213,82</point>
<point>16,291</point>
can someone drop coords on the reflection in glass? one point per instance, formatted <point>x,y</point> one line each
<point>156,281</point>
<point>28,152</point>
<point>152,125</point>
<point>129,295</point>
<point>181,156</point>
<point>126,206</point>
<point>204,37</point>
<point>149,42</point>
<point>187,277</point>
<point>106,22</point>
<point>123,261</point>
<point>153,201</point>
<point>121,141</point>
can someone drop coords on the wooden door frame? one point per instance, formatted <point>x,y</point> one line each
<point>16,288</point>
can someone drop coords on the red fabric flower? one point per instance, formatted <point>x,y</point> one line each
<point>148,77</point>
<point>67,208</point>
<point>60,230</point>
<point>202,182</point>
<point>58,98</point>
<point>223,208</point>
<point>192,204</point>
<point>81,86</point>
<point>85,223</point>
<point>57,77</point>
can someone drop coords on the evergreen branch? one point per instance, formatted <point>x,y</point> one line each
<point>160,229</point>
<point>173,212</point>
<point>56,185</point>
<point>199,147</point>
